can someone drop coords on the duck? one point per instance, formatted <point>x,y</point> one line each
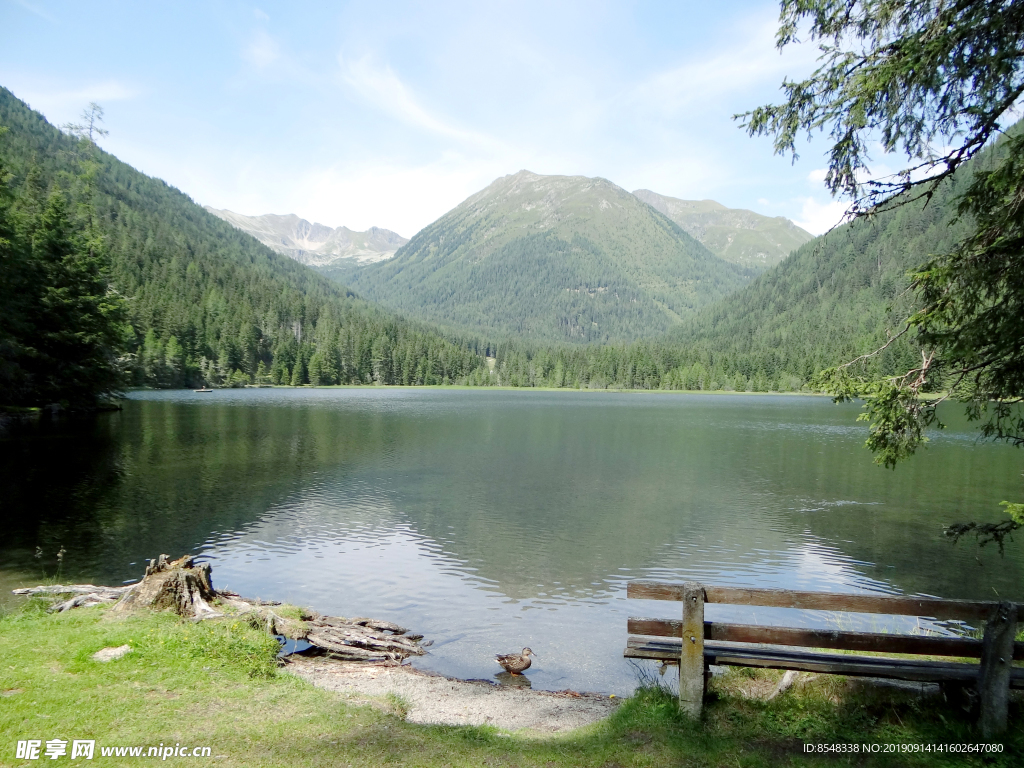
<point>516,663</point>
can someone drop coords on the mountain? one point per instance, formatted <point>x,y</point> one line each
<point>207,302</point>
<point>734,234</point>
<point>556,258</point>
<point>315,244</point>
<point>835,298</point>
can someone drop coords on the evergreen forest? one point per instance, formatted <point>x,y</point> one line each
<point>834,298</point>
<point>114,279</point>
<point>177,296</point>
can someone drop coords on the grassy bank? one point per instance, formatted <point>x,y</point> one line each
<point>216,684</point>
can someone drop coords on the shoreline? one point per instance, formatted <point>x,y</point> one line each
<point>427,698</point>
<point>468,388</point>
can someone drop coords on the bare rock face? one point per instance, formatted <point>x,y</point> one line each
<point>315,244</point>
<point>180,586</point>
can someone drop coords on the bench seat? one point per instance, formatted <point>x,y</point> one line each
<point>694,643</point>
<point>786,657</point>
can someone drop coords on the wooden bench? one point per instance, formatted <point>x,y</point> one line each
<point>695,644</point>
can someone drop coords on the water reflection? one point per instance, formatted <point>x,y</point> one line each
<point>509,680</point>
<point>496,520</point>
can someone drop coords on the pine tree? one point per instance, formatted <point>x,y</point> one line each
<point>64,331</point>
<point>14,279</point>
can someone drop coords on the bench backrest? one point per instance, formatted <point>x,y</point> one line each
<point>996,650</point>
<point>882,642</point>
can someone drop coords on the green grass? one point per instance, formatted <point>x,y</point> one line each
<point>217,684</point>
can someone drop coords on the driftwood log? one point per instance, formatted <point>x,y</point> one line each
<point>83,595</point>
<point>355,639</point>
<point>186,588</point>
<point>362,639</point>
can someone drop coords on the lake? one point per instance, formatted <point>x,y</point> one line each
<point>491,520</point>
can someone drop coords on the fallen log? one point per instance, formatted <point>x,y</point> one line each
<point>384,646</point>
<point>380,626</point>
<point>73,589</point>
<point>84,595</point>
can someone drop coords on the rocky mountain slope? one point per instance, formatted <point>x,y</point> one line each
<point>316,244</point>
<point>561,258</point>
<point>734,234</point>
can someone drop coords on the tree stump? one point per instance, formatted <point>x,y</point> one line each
<point>180,586</point>
<point>186,588</point>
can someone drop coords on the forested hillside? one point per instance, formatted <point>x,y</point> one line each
<point>554,258</point>
<point>205,302</point>
<point>740,236</point>
<point>835,298</point>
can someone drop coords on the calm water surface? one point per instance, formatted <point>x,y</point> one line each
<point>491,520</point>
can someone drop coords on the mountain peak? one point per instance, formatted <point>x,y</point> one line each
<point>549,198</point>
<point>315,244</point>
<point>566,258</point>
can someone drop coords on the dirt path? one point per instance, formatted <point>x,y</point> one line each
<point>433,699</point>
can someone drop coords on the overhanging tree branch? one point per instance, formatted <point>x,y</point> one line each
<point>935,81</point>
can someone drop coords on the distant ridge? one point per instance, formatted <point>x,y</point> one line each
<point>734,234</point>
<point>557,258</point>
<point>315,244</point>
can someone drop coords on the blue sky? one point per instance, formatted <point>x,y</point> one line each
<point>390,114</point>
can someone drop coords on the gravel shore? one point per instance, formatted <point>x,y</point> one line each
<point>437,700</point>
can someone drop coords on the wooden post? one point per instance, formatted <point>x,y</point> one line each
<point>994,677</point>
<point>691,662</point>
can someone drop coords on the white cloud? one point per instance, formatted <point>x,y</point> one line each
<point>753,61</point>
<point>402,198</point>
<point>111,90</point>
<point>818,218</point>
<point>60,103</point>
<point>390,118</point>
<point>385,90</point>
<point>406,197</point>
<point>33,8</point>
<point>262,51</point>
<point>817,176</point>
<point>686,175</point>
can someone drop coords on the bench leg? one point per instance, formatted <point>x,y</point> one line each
<point>691,663</point>
<point>994,678</point>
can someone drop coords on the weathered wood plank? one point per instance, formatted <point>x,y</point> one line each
<point>966,610</point>
<point>691,660</point>
<point>773,657</point>
<point>877,642</point>
<point>994,680</point>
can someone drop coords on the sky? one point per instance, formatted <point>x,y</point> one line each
<point>390,114</point>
